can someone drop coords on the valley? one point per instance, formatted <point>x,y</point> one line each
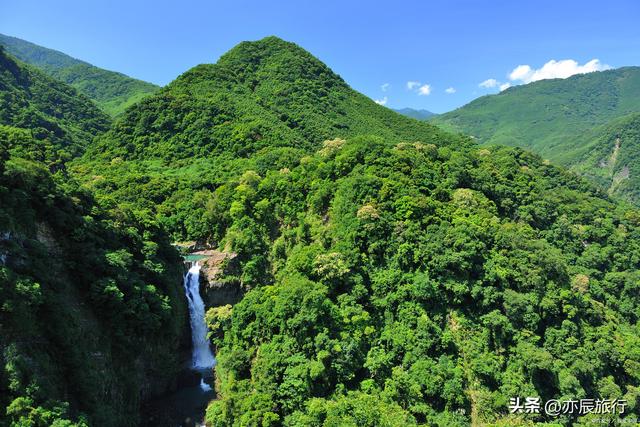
<point>347,265</point>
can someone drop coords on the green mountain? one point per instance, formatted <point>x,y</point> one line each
<point>263,104</point>
<point>56,123</point>
<point>609,155</point>
<point>112,91</point>
<point>266,94</point>
<point>91,309</point>
<point>544,115</point>
<point>393,273</point>
<point>415,114</point>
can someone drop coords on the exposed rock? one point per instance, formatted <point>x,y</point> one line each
<point>218,275</point>
<point>45,236</point>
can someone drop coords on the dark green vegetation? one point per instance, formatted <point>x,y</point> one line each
<point>43,119</point>
<point>91,309</point>
<point>398,274</point>
<point>415,114</point>
<point>112,91</point>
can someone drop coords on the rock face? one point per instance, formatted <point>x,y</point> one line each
<point>219,284</point>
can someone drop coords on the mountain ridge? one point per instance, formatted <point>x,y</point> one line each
<point>113,91</point>
<point>418,114</point>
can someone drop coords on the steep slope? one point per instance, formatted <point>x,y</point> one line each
<point>415,114</point>
<point>609,155</point>
<point>408,284</point>
<point>91,309</point>
<point>112,91</point>
<point>394,274</point>
<point>56,123</point>
<point>543,115</point>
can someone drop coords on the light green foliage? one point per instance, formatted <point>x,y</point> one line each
<point>261,107</point>
<point>436,288</point>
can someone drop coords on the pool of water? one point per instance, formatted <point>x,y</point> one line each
<point>186,406</point>
<point>194,257</point>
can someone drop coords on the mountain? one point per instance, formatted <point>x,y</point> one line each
<point>91,309</point>
<point>55,122</point>
<point>543,115</point>
<point>265,94</point>
<point>392,273</point>
<point>415,114</point>
<point>112,91</point>
<point>263,104</point>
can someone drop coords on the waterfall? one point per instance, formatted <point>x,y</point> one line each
<point>202,357</point>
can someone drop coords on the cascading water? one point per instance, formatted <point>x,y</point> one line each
<point>202,357</point>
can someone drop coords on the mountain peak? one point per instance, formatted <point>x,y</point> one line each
<point>264,93</point>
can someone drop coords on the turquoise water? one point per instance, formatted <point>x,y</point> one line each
<point>194,257</point>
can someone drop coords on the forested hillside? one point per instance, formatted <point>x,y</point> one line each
<point>543,115</point>
<point>396,274</point>
<point>91,310</point>
<point>44,119</point>
<point>112,91</point>
<point>262,106</point>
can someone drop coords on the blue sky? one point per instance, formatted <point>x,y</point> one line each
<point>442,44</point>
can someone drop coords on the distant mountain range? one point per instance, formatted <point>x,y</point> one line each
<point>112,91</point>
<point>415,114</point>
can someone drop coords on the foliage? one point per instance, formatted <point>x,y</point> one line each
<point>573,121</point>
<point>91,311</point>
<point>53,122</point>
<point>263,106</point>
<point>609,155</point>
<point>405,278</point>
<point>432,284</point>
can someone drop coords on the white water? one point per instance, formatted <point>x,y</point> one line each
<point>202,357</point>
<point>204,386</point>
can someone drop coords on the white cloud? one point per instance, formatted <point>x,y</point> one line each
<point>424,90</point>
<point>382,101</point>
<point>450,90</point>
<point>489,83</point>
<point>521,72</point>
<point>412,85</point>
<point>385,87</point>
<point>555,70</point>
<point>505,86</point>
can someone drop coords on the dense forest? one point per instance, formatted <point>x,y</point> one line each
<point>91,314</point>
<point>387,261</point>
<point>393,273</point>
